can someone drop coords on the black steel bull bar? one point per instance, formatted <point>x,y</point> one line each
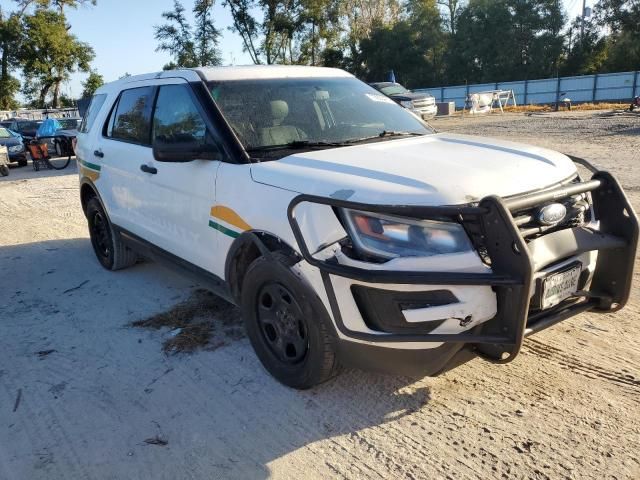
<point>500,338</point>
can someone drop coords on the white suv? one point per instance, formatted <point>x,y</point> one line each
<point>348,232</point>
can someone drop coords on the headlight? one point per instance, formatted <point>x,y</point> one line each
<point>16,148</point>
<point>386,236</point>
<point>406,103</point>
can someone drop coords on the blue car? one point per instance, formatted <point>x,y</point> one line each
<point>15,146</point>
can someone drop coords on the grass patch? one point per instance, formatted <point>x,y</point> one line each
<point>203,320</point>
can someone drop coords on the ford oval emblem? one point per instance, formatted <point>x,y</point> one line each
<point>552,214</point>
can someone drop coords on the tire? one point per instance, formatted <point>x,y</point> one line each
<point>4,170</point>
<point>287,324</point>
<point>22,162</point>
<point>107,244</point>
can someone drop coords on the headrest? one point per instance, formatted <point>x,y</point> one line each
<point>279,109</point>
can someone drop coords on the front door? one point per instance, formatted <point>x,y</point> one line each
<point>182,193</point>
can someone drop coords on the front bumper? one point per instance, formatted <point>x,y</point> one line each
<point>515,267</point>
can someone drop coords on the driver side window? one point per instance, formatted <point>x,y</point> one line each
<point>176,118</point>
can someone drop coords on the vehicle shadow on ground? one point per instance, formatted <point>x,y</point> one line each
<point>217,408</point>
<point>25,173</point>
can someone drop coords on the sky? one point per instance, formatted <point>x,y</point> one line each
<point>121,33</point>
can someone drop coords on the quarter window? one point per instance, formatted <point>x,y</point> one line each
<point>176,118</point>
<point>92,112</point>
<point>131,120</point>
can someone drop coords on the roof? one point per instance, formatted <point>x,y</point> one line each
<point>249,72</point>
<point>245,72</point>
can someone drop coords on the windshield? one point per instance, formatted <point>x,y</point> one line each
<point>68,123</point>
<point>4,133</point>
<point>393,90</point>
<point>27,126</point>
<point>310,112</point>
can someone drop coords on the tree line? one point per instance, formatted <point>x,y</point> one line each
<point>425,42</point>
<point>430,42</point>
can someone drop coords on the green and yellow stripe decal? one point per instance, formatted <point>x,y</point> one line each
<point>227,221</point>
<point>89,170</point>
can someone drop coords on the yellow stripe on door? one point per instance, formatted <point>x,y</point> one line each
<point>229,216</point>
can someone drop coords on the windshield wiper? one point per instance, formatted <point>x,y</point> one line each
<point>297,144</point>
<point>386,134</point>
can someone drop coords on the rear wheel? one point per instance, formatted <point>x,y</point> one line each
<point>4,170</point>
<point>107,244</point>
<point>287,324</point>
<point>22,162</point>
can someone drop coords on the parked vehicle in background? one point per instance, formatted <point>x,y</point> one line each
<point>422,104</point>
<point>26,128</point>
<point>4,161</point>
<point>347,230</point>
<point>15,147</point>
<point>62,145</point>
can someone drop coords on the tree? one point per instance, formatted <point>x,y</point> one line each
<point>412,47</point>
<point>10,39</point>
<point>622,18</point>
<point>93,82</point>
<point>501,40</point>
<point>175,37</point>
<point>189,47</point>
<point>205,35</point>
<point>50,55</point>
<point>453,9</point>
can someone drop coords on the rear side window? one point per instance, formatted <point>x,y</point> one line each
<point>92,112</point>
<point>131,119</point>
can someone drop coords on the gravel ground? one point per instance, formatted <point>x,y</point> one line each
<point>83,395</point>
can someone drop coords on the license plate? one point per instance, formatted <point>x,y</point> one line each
<point>558,286</point>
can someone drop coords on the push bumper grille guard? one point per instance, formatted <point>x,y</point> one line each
<point>500,338</point>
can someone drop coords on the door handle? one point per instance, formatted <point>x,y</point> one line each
<point>148,169</point>
<point>98,153</point>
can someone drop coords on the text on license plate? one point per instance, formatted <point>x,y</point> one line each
<point>558,286</point>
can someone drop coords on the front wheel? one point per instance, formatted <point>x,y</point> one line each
<point>107,244</point>
<point>4,170</point>
<point>287,324</point>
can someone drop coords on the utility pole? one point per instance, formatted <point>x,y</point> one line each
<point>582,16</point>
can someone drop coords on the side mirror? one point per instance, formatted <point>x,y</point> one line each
<point>183,148</point>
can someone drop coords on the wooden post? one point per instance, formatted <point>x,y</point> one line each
<point>595,88</point>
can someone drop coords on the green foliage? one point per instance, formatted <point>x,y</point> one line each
<point>50,55</point>
<point>93,82</point>
<point>195,46</point>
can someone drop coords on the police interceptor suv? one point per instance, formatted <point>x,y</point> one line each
<point>345,228</point>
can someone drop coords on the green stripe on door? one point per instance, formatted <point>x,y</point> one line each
<point>90,165</point>
<point>223,229</point>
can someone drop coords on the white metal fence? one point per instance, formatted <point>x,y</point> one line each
<point>621,86</point>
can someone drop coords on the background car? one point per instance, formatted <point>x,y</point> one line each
<point>15,146</point>
<point>63,147</point>
<point>422,104</point>
<point>26,128</point>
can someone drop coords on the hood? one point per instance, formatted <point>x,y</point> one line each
<point>439,169</point>
<point>409,96</point>
<point>11,141</point>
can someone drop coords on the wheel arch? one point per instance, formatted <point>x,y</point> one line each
<point>248,247</point>
<point>88,191</point>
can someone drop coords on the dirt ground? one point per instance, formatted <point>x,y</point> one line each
<point>85,395</point>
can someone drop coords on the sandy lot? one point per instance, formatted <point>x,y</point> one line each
<point>81,390</point>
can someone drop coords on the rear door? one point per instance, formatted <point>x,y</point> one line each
<point>182,194</point>
<point>122,145</point>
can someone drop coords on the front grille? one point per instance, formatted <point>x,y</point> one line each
<point>578,213</point>
<point>423,103</point>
